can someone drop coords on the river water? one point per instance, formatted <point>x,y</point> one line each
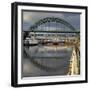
<point>45,60</point>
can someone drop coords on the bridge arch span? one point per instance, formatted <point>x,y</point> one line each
<point>52,19</point>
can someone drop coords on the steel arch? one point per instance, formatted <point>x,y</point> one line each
<point>51,19</point>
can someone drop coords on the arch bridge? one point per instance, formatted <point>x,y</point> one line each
<point>52,29</point>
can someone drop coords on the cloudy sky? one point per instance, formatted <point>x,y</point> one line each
<point>29,18</point>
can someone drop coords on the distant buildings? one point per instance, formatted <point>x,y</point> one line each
<point>50,37</point>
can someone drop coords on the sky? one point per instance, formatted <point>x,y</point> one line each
<point>29,18</point>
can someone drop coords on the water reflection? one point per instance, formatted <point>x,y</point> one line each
<point>45,60</point>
